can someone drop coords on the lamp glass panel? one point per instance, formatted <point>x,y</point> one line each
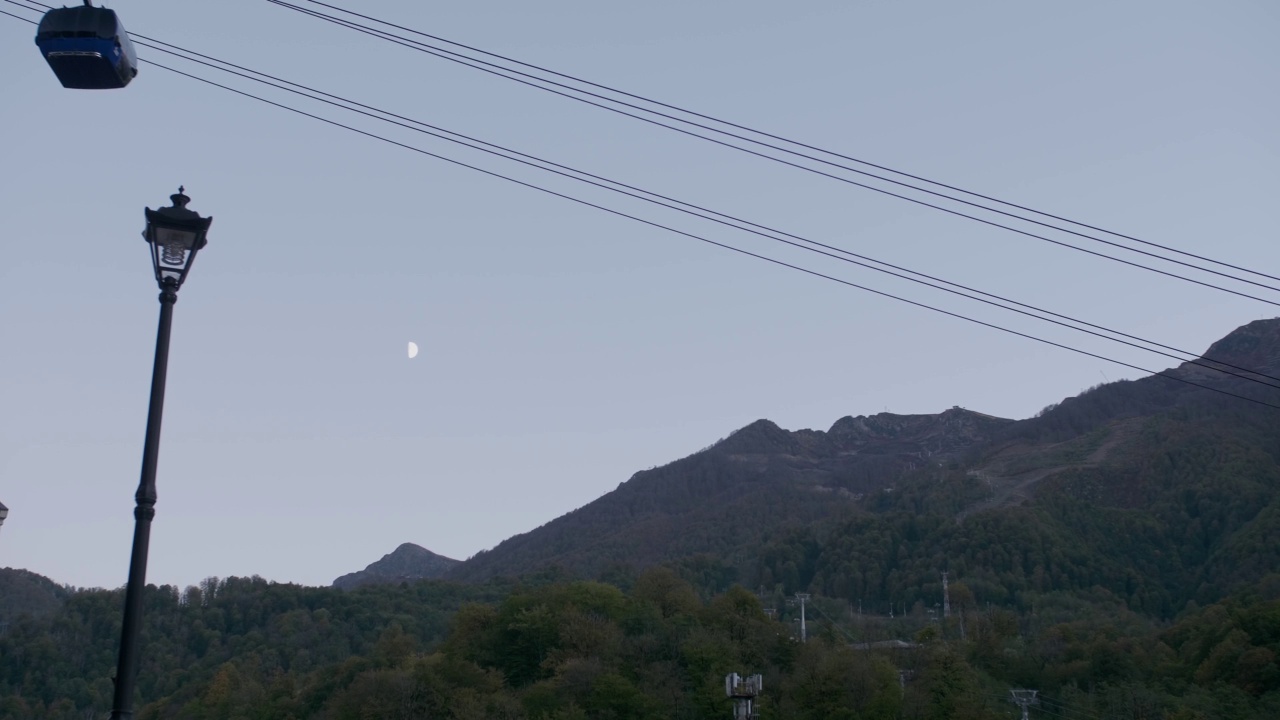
<point>172,250</point>
<point>174,237</point>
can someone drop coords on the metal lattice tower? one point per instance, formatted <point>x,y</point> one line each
<point>1024,699</point>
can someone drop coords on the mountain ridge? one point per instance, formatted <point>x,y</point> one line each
<point>769,478</point>
<point>762,482</point>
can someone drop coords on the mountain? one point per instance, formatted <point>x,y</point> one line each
<point>725,500</point>
<point>1120,552</point>
<point>1159,490</point>
<point>407,562</point>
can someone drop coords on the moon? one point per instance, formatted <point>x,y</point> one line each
<point>413,350</point>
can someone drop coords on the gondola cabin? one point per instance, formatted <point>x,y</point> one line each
<point>87,48</point>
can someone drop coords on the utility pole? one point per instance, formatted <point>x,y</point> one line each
<point>946,596</point>
<point>1024,699</point>
<point>802,598</point>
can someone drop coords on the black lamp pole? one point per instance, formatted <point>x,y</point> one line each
<point>175,235</point>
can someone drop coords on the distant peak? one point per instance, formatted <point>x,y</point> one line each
<point>1255,345</point>
<point>406,562</point>
<point>761,436</point>
<point>763,425</point>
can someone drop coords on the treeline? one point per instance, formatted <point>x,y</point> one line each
<point>246,649</point>
<point>60,664</point>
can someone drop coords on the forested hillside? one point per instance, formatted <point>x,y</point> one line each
<point>63,662</point>
<point>1120,553</point>
<point>25,593</point>
<point>243,648</point>
<point>1158,491</point>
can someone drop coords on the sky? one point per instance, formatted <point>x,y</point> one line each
<point>563,348</point>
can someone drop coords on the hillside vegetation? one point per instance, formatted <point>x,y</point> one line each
<point>1118,552</point>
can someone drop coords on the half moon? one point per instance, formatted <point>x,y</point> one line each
<point>413,350</point>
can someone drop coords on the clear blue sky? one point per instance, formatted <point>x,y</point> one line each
<point>564,349</point>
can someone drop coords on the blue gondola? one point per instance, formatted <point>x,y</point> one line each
<point>87,48</point>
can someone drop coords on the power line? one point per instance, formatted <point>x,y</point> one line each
<point>834,624</point>
<point>693,236</point>
<point>724,246</point>
<point>1193,357</point>
<point>697,211</point>
<point>453,57</point>
<point>1056,708</point>
<point>1068,708</point>
<point>468,61</point>
<point>780,138</point>
<point>563,173</point>
<point>18,17</point>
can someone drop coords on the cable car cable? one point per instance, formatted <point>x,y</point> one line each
<point>18,17</point>
<point>381,35</point>
<point>725,246</point>
<point>1193,359</point>
<point>409,43</point>
<point>414,44</point>
<point>729,220</point>
<point>1067,709</point>
<point>775,137</point>
<point>700,238</point>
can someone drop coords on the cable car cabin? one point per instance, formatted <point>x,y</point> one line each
<point>87,48</point>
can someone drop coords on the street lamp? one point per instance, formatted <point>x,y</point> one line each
<point>4,513</point>
<point>175,235</point>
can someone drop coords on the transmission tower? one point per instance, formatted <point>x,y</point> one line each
<point>1024,699</point>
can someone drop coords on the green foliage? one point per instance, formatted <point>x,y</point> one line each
<point>223,644</point>
<point>25,593</point>
<point>574,650</point>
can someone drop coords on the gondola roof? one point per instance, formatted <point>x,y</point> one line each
<point>84,21</point>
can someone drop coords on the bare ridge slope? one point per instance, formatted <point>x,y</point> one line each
<point>726,499</point>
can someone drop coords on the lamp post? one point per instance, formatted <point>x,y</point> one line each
<point>4,513</point>
<point>175,235</point>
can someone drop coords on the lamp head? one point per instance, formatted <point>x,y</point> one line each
<point>175,234</point>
